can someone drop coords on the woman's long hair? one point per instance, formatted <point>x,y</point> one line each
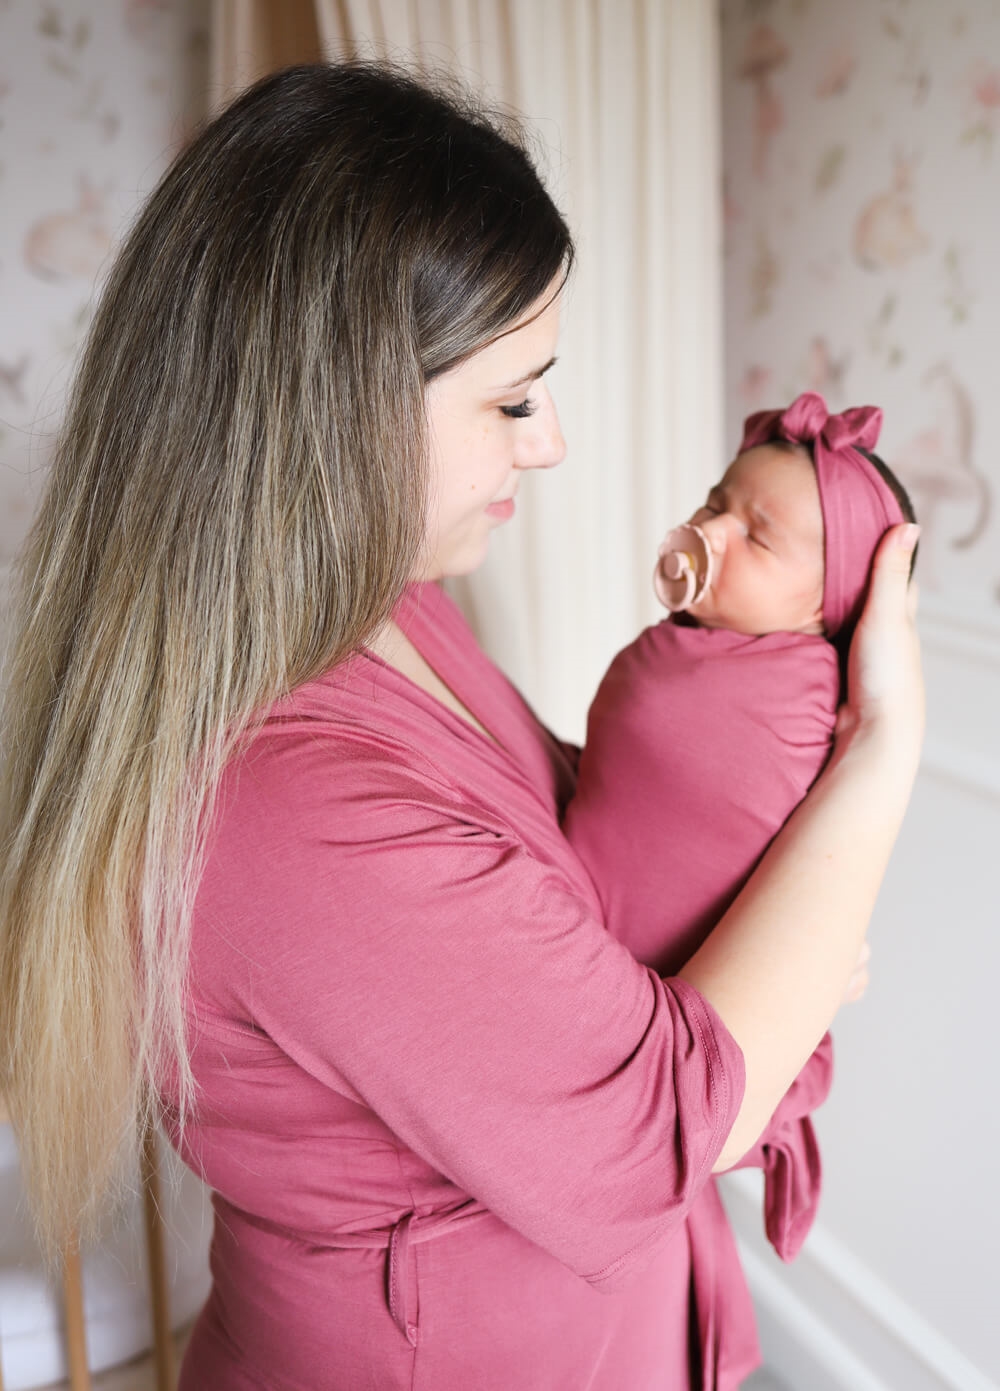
<point>235,504</point>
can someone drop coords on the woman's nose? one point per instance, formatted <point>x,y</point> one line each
<point>540,442</point>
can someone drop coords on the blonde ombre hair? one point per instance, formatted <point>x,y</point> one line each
<point>235,504</point>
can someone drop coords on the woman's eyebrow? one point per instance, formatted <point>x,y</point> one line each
<point>530,376</point>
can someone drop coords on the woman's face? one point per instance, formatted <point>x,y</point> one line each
<point>489,419</point>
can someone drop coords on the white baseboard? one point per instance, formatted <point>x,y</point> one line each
<point>829,1324</point>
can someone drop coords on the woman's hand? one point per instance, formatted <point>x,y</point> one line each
<point>885,690</point>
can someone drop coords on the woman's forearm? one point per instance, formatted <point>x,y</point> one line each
<point>777,965</point>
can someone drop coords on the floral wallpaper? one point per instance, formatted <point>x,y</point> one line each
<point>95,97</point>
<point>862,245</point>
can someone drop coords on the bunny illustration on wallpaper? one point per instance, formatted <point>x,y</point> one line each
<point>74,243</point>
<point>887,233</point>
<point>937,464</point>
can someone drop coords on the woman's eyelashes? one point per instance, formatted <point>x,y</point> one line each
<point>520,411</point>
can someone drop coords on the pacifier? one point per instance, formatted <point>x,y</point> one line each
<point>684,568</point>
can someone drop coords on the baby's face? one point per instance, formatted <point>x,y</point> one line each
<point>764,524</point>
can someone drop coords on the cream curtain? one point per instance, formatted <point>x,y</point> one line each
<point>623,98</point>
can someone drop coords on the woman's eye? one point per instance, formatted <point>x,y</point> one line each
<point>520,411</point>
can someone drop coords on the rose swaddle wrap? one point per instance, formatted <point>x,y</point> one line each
<point>701,742</point>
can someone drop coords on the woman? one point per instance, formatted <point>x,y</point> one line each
<point>282,845</point>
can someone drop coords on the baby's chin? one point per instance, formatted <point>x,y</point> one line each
<point>690,619</point>
<point>703,615</point>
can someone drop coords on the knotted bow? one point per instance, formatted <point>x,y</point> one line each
<point>858,505</point>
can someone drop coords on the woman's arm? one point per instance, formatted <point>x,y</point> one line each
<point>777,966</point>
<point>387,929</point>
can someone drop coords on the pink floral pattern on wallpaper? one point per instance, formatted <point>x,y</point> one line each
<point>984,106</point>
<point>764,54</point>
<point>94,97</point>
<point>862,217</point>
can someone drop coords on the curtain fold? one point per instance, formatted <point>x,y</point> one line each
<point>251,38</point>
<point>623,102</point>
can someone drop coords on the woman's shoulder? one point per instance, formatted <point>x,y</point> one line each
<point>338,739</point>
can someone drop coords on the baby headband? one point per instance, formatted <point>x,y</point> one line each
<point>858,505</point>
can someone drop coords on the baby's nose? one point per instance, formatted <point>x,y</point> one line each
<point>719,529</point>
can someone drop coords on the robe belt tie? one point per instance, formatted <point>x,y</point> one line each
<point>413,1228</point>
<point>400,1289</point>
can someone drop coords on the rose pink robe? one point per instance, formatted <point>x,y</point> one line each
<point>460,1139</point>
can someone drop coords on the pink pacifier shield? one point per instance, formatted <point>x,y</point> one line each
<point>684,567</point>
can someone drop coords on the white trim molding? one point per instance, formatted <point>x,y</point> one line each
<point>971,770</point>
<point>974,634</point>
<point>962,668</point>
<point>828,1323</point>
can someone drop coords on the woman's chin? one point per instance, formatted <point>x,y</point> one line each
<point>462,561</point>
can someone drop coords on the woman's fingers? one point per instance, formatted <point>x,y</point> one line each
<point>885,686</point>
<point>888,590</point>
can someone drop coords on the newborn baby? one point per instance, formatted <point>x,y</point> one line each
<point>708,730</point>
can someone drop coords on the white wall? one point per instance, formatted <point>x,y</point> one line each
<point>862,205</point>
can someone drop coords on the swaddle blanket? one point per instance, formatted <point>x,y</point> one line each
<point>701,742</point>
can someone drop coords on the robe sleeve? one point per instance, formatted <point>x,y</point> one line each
<point>408,951</point>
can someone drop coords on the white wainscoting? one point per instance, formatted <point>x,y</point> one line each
<point>828,1323</point>
<point>844,1316</point>
<point>962,664</point>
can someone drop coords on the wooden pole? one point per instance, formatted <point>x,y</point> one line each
<point>163,1341</point>
<point>76,1328</point>
<point>4,1120</point>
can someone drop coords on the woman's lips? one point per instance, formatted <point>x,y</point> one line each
<point>503,510</point>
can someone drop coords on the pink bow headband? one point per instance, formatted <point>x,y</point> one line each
<point>858,505</point>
